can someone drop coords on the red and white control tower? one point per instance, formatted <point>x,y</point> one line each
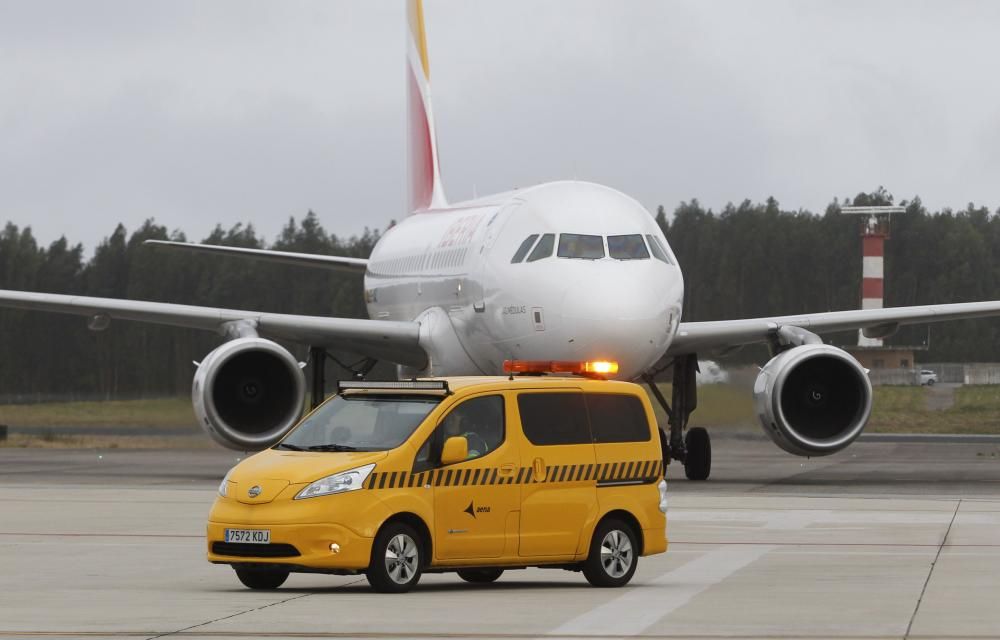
<point>874,233</point>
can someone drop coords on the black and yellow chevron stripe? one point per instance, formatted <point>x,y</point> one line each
<point>604,474</point>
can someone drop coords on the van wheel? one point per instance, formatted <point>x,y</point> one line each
<point>480,576</point>
<point>261,576</point>
<point>613,555</point>
<point>397,559</point>
<point>698,459</point>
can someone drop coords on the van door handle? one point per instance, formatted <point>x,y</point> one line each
<point>507,468</point>
<point>538,467</point>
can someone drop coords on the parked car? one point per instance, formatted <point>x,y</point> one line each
<point>709,372</point>
<point>927,377</point>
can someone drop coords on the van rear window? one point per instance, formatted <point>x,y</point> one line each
<point>554,418</point>
<point>617,418</point>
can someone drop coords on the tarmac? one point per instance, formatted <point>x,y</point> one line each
<point>888,539</point>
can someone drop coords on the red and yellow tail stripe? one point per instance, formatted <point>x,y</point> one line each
<point>425,188</point>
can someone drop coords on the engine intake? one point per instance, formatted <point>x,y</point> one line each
<point>248,393</point>
<point>813,400</point>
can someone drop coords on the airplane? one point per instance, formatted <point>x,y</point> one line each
<point>561,271</point>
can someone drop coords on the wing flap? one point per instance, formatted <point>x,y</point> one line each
<point>383,339</point>
<point>718,335</point>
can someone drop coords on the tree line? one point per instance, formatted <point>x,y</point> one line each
<point>747,260</point>
<point>48,354</point>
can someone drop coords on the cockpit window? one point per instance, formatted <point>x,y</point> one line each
<point>544,247</point>
<point>658,251</point>
<point>574,245</point>
<point>630,247</point>
<point>523,249</point>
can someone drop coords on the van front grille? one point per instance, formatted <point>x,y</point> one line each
<point>248,550</point>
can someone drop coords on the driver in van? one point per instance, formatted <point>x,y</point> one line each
<point>460,424</point>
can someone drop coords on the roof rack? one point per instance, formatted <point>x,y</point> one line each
<point>395,385</point>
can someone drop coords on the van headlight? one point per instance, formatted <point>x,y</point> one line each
<point>663,495</point>
<point>224,484</point>
<point>350,480</point>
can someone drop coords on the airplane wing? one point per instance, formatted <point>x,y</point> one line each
<point>719,335</point>
<point>382,339</point>
<point>339,263</point>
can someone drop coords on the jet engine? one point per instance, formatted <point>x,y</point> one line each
<point>813,400</point>
<point>248,393</point>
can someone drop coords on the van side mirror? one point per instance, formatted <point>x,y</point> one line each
<point>456,449</point>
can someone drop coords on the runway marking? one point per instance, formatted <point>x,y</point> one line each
<point>647,605</point>
<point>409,634</point>
<point>834,544</point>
<point>930,572</point>
<point>102,535</point>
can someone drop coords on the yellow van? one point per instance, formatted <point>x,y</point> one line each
<point>473,475</point>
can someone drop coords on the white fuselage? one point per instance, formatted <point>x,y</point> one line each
<point>451,270</point>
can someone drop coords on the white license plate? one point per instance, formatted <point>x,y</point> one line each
<point>251,536</point>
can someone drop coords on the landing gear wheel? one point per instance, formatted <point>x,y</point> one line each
<point>614,555</point>
<point>261,576</point>
<point>698,461</point>
<point>480,576</point>
<point>397,559</point>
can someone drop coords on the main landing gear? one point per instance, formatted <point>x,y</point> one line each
<point>317,364</point>
<point>694,448</point>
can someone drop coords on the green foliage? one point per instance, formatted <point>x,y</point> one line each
<point>748,260</point>
<point>752,260</point>
<point>46,356</point>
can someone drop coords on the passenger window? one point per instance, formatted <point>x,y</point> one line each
<point>574,245</point>
<point>544,247</point>
<point>523,249</point>
<point>479,420</point>
<point>554,418</point>
<point>630,247</point>
<point>617,418</point>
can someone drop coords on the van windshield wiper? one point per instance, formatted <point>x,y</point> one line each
<point>332,447</point>
<point>290,447</point>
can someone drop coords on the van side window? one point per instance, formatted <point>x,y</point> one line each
<point>617,418</point>
<point>554,418</point>
<point>479,420</point>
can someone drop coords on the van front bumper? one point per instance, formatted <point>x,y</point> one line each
<point>319,547</point>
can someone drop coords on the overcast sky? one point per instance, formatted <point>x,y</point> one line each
<point>202,112</point>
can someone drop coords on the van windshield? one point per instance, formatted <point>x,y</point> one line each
<point>360,423</point>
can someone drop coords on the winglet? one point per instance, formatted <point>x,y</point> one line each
<point>425,188</point>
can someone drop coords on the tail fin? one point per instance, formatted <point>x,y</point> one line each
<point>426,191</point>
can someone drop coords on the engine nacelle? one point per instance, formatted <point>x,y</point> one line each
<point>813,400</point>
<point>248,393</point>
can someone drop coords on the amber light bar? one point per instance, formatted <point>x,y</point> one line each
<point>598,367</point>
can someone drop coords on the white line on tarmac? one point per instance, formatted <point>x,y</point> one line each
<point>640,608</point>
<point>643,606</point>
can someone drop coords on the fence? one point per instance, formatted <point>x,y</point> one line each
<point>947,372</point>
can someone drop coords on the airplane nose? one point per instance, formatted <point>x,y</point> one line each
<point>621,312</point>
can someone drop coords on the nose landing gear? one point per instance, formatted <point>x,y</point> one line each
<point>693,449</point>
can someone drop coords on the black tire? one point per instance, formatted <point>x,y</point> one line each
<point>698,456</point>
<point>480,576</point>
<point>614,554</point>
<point>930,383</point>
<point>397,559</point>
<point>261,576</point>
